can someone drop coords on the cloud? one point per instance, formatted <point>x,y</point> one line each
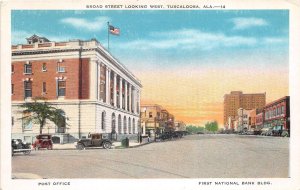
<point>97,24</point>
<point>189,39</point>
<point>272,40</point>
<point>241,23</point>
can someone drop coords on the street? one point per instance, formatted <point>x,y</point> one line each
<point>194,156</point>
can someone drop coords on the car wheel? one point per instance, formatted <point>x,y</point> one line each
<point>106,145</point>
<point>284,134</point>
<point>27,152</point>
<point>80,147</point>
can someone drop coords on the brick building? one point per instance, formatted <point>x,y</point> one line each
<point>95,91</point>
<point>277,115</point>
<point>236,100</point>
<point>154,118</point>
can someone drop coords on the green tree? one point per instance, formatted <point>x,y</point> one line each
<point>39,111</point>
<point>194,129</point>
<point>212,126</point>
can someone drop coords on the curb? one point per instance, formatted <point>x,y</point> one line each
<point>120,147</point>
<point>113,147</point>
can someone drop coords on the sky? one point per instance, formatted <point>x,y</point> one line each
<point>186,59</point>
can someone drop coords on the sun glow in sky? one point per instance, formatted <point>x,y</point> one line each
<point>186,60</point>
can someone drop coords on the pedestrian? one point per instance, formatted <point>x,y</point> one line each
<point>148,138</point>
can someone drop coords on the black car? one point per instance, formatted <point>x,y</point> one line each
<point>17,145</point>
<point>94,140</point>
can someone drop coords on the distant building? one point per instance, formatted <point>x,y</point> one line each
<point>179,126</point>
<point>92,88</point>
<point>243,119</point>
<point>151,119</point>
<point>259,119</point>
<point>236,100</point>
<point>252,119</point>
<point>168,120</point>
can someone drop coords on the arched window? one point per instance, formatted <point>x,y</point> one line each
<point>103,121</point>
<point>129,125</point>
<point>113,123</point>
<point>133,126</point>
<point>124,125</point>
<point>119,124</point>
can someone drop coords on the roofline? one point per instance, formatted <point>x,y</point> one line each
<point>100,49</point>
<point>275,101</point>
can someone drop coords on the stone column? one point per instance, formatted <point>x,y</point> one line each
<point>98,81</point>
<point>107,85</point>
<point>126,95</point>
<point>115,89</point>
<point>120,93</point>
<point>133,100</point>
<point>130,89</point>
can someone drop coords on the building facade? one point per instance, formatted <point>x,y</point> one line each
<point>243,119</point>
<point>92,88</point>
<point>259,119</point>
<point>179,126</point>
<point>236,100</point>
<point>151,119</point>
<point>277,115</point>
<point>156,119</point>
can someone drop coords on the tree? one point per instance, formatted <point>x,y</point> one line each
<point>194,129</point>
<point>39,111</point>
<point>211,126</point>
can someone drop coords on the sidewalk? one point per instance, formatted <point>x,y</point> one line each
<point>116,145</point>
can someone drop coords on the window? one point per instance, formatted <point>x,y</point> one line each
<point>12,88</point>
<point>150,115</point>
<point>282,109</point>
<point>61,88</point>
<point>61,123</point>
<point>44,88</point>
<point>28,89</point>
<point>44,67</point>
<point>26,121</point>
<point>28,68</point>
<point>12,68</point>
<point>60,67</point>
<point>12,121</point>
<point>103,121</point>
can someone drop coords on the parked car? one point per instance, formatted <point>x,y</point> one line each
<point>94,140</point>
<point>266,132</point>
<point>17,145</point>
<point>43,141</point>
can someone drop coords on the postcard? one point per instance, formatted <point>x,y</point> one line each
<point>149,94</point>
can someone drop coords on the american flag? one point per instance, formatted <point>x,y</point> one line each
<point>113,30</point>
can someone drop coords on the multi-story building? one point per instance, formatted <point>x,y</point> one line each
<point>259,119</point>
<point>168,120</point>
<point>252,119</point>
<point>151,119</point>
<point>156,119</point>
<point>243,119</point>
<point>236,100</point>
<point>92,88</point>
<point>277,114</point>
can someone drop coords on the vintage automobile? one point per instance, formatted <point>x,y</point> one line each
<point>94,140</point>
<point>43,141</point>
<point>17,145</point>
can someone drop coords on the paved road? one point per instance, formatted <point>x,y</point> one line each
<point>195,156</point>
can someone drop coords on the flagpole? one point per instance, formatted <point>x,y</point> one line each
<point>108,36</point>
